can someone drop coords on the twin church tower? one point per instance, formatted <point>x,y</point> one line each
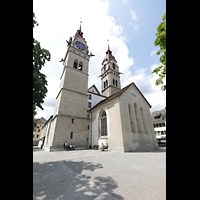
<point>70,119</point>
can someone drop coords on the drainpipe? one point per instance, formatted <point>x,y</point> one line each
<point>91,129</point>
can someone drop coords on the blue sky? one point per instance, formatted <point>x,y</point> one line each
<point>130,26</point>
<point>140,27</point>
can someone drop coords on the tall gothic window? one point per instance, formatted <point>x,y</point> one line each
<point>113,81</point>
<point>143,119</point>
<point>130,109</point>
<point>137,117</point>
<point>116,83</point>
<point>103,124</point>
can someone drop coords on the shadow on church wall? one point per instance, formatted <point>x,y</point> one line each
<point>64,180</point>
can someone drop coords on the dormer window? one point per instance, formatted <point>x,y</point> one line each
<point>157,117</point>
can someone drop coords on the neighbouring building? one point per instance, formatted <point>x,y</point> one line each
<point>37,130</point>
<point>159,124</point>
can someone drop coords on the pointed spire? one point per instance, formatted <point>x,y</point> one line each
<point>108,45</point>
<point>109,55</point>
<point>79,33</point>
<point>80,25</point>
<point>108,51</point>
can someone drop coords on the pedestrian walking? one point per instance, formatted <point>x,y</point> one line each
<point>65,145</point>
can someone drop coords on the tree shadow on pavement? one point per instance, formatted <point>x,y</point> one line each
<point>62,180</point>
<point>108,184</point>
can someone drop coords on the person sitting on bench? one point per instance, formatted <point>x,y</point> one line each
<point>73,146</point>
<point>106,147</point>
<point>102,147</point>
<point>70,146</point>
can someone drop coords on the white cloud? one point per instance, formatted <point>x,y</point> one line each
<point>153,52</point>
<point>133,13</point>
<point>146,84</point>
<point>125,1</point>
<point>59,20</point>
<point>136,27</point>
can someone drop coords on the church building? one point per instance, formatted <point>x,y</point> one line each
<point>118,116</point>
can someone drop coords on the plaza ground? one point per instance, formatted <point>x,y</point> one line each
<point>91,174</point>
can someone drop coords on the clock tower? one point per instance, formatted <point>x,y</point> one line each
<point>110,79</point>
<point>70,122</point>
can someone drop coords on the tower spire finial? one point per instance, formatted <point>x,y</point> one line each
<point>108,45</point>
<point>80,24</point>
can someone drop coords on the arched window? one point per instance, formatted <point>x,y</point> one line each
<point>75,64</point>
<point>80,67</point>
<point>114,82</point>
<point>106,83</point>
<point>137,117</point>
<point>103,123</point>
<point>130,109</point>
<point>143,119</point>
<point>113,65</point>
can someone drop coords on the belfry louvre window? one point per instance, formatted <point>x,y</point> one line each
<point>75,64</point>
<point>80,66</point>
<point>103,124</point>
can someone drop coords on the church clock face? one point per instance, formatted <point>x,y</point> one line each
<point>80,45</point>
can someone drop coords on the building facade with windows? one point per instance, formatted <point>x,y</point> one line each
<point>94,96</point>
<point>159,124</point>
<point>37,130</point>
<point>120,116</point>
<point>123,120</point>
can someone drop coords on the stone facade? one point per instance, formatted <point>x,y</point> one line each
<point>120,135</point>
<point>70,121</point>
<point>119,117</point>
<point>110,79</point>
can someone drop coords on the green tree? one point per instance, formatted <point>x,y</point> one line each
<point>40,55</point>
<point>161,42</point>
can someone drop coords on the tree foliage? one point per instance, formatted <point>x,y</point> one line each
<point>40,55</point>
<point>161,42</point>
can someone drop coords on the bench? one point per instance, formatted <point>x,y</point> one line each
<point>69,149</point>
<point>106,148</point>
